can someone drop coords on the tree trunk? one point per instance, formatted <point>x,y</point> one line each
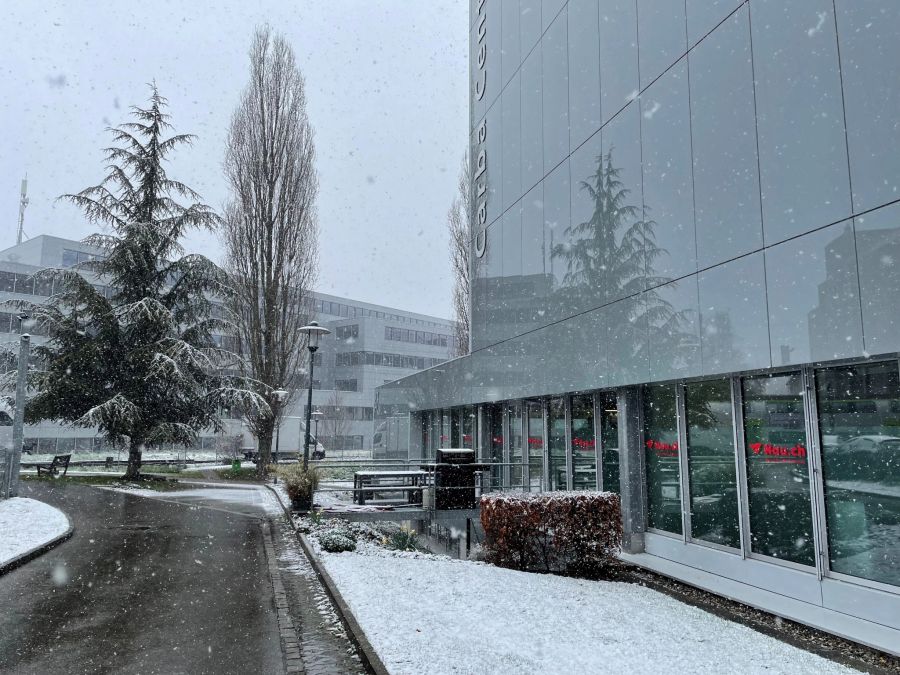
<point>265,451</point>
<point>133,471</point>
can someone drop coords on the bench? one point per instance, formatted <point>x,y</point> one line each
<point>52,469</point>
<point>407,485</point>
<point>253,456</point>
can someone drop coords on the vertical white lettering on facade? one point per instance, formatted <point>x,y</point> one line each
<point>480,174</point>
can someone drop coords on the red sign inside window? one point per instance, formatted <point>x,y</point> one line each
<point>779,454</point>
<point>661,448</point>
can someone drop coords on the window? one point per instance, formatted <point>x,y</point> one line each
<point>514,411</point>
<point>777,470</point>
<point>556,441</point>
<point>661,459</point>
<point>584,463</point>
<point>609,441</point>
<point>859,432</point>
<point>712,471</point>
<point>345,385</point>
<point>347,332</point>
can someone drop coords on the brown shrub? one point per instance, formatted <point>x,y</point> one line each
<point>574,532</point>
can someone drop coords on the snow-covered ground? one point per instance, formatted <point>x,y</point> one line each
<point>26,524</point>
<point>425,613</point>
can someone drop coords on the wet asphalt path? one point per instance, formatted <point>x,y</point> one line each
<point>143,586</point>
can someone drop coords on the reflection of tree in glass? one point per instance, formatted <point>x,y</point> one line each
<point>606,259</point>
<point>597,260</point>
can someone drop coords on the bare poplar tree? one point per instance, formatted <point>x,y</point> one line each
<point>336,422</point>
<point>459,225</point>
<point>271,230</point>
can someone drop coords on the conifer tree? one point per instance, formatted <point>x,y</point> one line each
<point>137,362</point>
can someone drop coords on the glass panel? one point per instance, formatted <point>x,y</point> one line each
<point>734,327</point>
<point>556,440</point>
<point>535,447</point>
<point>494,171</point>
<point>468,427</point>
<point>456,428</point>
<point>532,120</point>
<point>668,191</point>
<point>445,429</point>
<point>814,312</point>
<point>556,221</point>
<point>555,92</point>
<point>618,56</point>
<point>662,36</point>
<point>584,458</point>
<point>878,253</point>
<point>703,15</point>
<point>711,468</point>
<point>584,70</point>
<point>868,39</point>
<point>495,424</point>
<point>510,56</point>
<point>859,427</point>
<point>726,176</point>
<point>661,458</point>
<point>529,24</point>
<point>777,470</point>
<point>674,330</point>
<point>609,441</point>
<point>800,119</point>
<point>512,137</point>
<point>515,446</point>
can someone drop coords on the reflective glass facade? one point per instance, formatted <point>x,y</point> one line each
<point>691,289</point>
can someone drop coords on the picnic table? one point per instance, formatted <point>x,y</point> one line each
<point>407,484</point>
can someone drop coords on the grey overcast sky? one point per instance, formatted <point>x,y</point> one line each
<point>386,82</point>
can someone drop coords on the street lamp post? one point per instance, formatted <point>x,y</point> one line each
<point>280,396</point>
<point>317,415</point>
<point>314,331</point>
<point>9,474</point>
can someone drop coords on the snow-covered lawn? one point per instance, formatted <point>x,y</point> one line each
<point>433,614</point>
<point>26,524</point>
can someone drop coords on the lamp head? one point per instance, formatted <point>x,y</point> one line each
<point>314,331</point>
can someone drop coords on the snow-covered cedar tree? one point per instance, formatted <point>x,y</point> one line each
<point>138,362</point>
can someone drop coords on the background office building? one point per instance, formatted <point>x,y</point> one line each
<point>686,289</point>
<point>369,345</point>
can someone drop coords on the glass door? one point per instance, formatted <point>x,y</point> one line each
<point>609,440</point>
<point>777,468</point>
<point>535,419</point>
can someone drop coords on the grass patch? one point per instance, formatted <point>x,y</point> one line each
<point>246,473</point>
<point>145,483</point>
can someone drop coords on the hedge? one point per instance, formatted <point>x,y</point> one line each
<point>574,532</point>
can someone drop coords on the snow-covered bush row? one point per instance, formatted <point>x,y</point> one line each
<point>575,532</point>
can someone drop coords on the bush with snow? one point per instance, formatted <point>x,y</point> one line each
<point>575,532</point>
<point>336,541</point>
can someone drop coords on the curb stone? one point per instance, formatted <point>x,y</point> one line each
<point>290,641</point>
<point>355,632</point>
<point>37,551</point>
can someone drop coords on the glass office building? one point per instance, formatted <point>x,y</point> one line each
<point>686,286</point>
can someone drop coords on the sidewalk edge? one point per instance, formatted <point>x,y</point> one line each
<point>355,632</point>
<point>37,551</point>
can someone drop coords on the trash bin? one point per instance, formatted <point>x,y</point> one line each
<point>454,479</point>
<point>109,462</point>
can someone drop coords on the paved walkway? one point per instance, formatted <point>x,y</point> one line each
<point>178,583</point>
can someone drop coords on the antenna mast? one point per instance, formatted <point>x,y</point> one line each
<point>22,204</point>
